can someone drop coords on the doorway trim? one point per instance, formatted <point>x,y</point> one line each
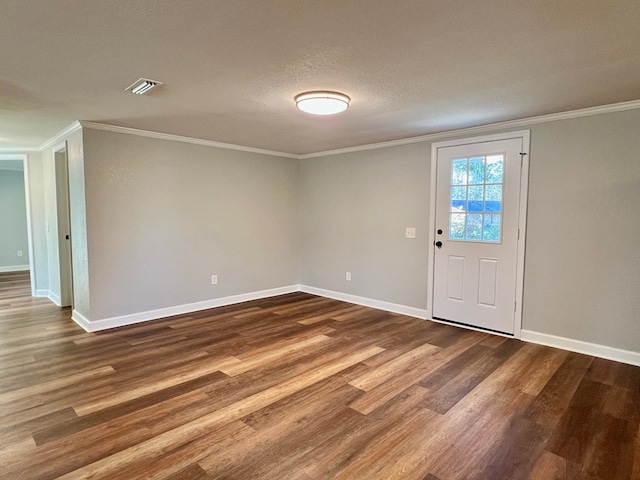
<point>27,194</point>
<point>63,219</point>
<point>522,218</point>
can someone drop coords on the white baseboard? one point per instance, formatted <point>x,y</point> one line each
<point>593,349</point>
<point>602,351</point>
<point>113,322</point>
<point>81,320</point>
<point>54,298</point>
<point>50,295</point>
<point>14,268</point>
<point>367,302</point>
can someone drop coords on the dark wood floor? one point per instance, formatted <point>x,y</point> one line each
<point>302,387</point>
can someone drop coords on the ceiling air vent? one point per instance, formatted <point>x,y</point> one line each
<point>142,86</point>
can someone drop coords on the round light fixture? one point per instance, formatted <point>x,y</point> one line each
<point>322,103</point>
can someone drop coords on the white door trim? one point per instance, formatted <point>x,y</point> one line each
<point>63,219</point>
<point>27,193</point>
<point>522,217</point>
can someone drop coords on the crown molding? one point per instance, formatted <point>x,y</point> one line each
<point>74,127</point>
<point>490,127</point>
<point>179,138</point>
<point>433,137</point>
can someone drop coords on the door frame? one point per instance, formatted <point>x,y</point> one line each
<point>63,219</point>
<point>27,194</point>
<point>522,219</point>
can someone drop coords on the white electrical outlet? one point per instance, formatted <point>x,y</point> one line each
<point>214,279</point>
<point>19,253</point>
<point>348,276</point>
<point>410,232</point>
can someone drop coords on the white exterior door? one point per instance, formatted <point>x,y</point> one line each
<point>476,239</point>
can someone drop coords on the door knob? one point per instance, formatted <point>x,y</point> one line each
<point>438,244</point>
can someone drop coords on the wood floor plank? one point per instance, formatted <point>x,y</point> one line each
<point>279,444</point>
<point>185,433</point>
<point>154,385</point>
<point>543,367</point>
<point>65,381</point>
<point>380,394</point>
<point>392,453</point>
<point>191,472</point>
<point>459,384</point>
<point>355,443</point>
<point>300,387</point>
<point>15,452</point>
<point>587,436</point>
<point>29,428</point>
<point>327,314</point>
<point>636,456</point>
<point>553,400</point>
<point>184,460</point>
<point>46,433</point>
<point>248,362</point>
<point>384,372</point>
<point>553,467</point>
<point>515,454</point>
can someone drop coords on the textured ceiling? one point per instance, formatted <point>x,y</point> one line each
<point>232,67</point>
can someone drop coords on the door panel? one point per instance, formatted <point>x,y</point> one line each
<point>455,278</point>
<point>487,281</point>
<point>477,211</point>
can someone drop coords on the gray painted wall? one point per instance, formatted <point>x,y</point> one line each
<point>13,219</point>
<point>78,218</point>
<point>582,264</point>
<point>582,277</point>
<point>163,216</point>
<point>355,208</point>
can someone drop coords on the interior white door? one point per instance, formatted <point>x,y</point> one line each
<point>64,228</point>
<point>476,238</point>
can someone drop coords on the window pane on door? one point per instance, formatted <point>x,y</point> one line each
<point>476,170</point>
<point>457,226</point>
<point>495,168</point>
<point>476,198</point>
<point>459,172</point>
<point>458,199</point>
<point>491,228</point>
<point>474,227</point>
<point>493,198</point>
<point>476,195</point>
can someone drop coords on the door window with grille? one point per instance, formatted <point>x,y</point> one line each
<point>476,198</point>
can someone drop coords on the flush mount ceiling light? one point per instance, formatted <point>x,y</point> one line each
<point>142,86</point>
<point>322,103</point>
